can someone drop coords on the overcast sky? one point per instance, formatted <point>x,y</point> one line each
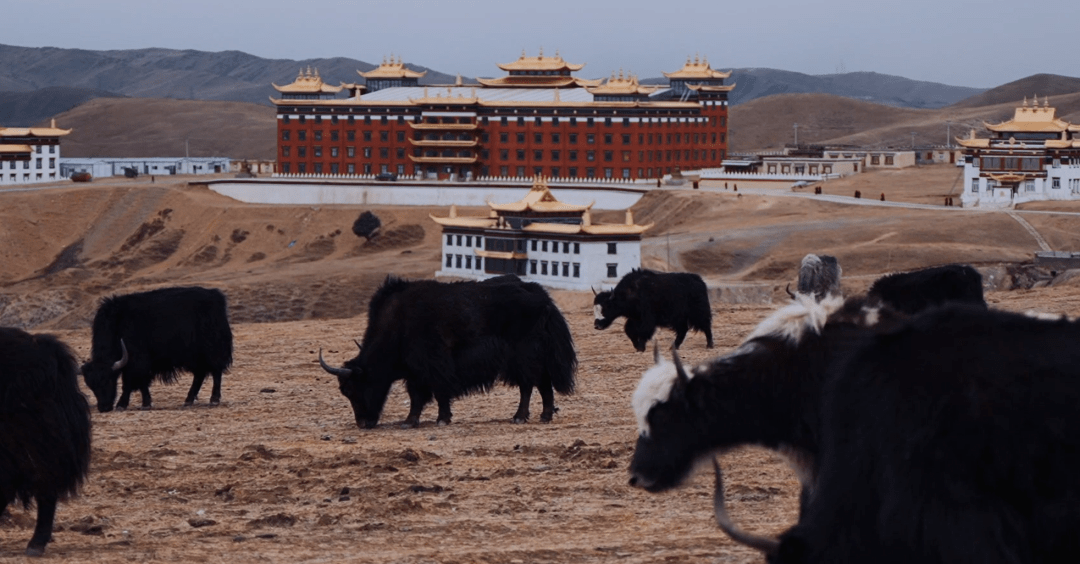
<point>960,42</point>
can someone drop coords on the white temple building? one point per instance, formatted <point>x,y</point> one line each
<point>540,239</point>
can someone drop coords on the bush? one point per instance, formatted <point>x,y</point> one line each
<point>366,226</point>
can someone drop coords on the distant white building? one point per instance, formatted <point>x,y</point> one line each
<point>1034,156</point>
<point>101,167</point>
<point>542,240</point>
<point>30,154</point>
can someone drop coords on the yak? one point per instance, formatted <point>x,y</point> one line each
<point>648,299</point>
<point>914,292</point>
<point>156,334</point>
<point>44,427</point>
<point>451,339</point>
<point>952,437</point>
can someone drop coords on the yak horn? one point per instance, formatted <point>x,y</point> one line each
<point>123,357</point>
<point>594,292</point>
<point>358,345</point>
<point>335,371</point>
<point>789,292</point>
<point>656,351</point>
<point>767,545</point>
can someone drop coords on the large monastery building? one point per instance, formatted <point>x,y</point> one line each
<point>1034,156</point>
<point>30,154</point>
<point>537,120</point>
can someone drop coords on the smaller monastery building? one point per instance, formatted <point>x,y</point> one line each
<point>30,154</point>
<point>540,239</point>
<point>1034,156</point>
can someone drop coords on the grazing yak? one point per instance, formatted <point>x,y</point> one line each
<point>648,299</point>
<point>447,340</point>
<point>952,437</point>
<point>913,292</point>
<point>157,334</point>
<point>44,427</point>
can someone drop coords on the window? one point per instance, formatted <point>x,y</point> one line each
<point>318,134</point>
<point>457,261</point>
<point>607,122</point>
<point>520,137</point>
<point>504,154</point>
<point>301,168</point>
<point>590,122</point>
<point>401,136</point>
<point>566,247</point>
<point>350,168</point>
<point>555,247</point>
<point>350,151</point>
<point>301,134</point>
<point>609,156</point>
<point>975,185</point>
<point>572,155</point>
<point>577,270</point>
<point>543,246</point>
<point>577,248</point>
<point>333,151</point>
<point>318,168</point>
<point>284,134</point>
<point>626,139</point>
<point>538,137</point>
<point>590,138</point>
<point>612,270</point>
<point>367,136</point>
<point>1056,184</point>
<point>521,121</point>
<point>532,265</point>
<point>334,134</point>
<point>367,152</point>
<point>503,121</point>
<point>449,260</point>
<point>626,156</point>
<point>888,159</point>
<point>566,269</point>
<point>590,156</point>
<point>333,168</point>
<point>301,152</point>
<point>555,138</point>
<point>608,138</point>
<point>285,151</point>
<point>520,156</point>
<point>538,155</point>
<point>590,172</point>
<point>401,152</point>
<point>384,135</point>
<point>504,137</point>
<point>555,155</point>
<point>611,249</point>
<point>556,172</point>
<point>626,173</point>
<point>384,152</point>
<point>543,267</point>
<point>351,134</point>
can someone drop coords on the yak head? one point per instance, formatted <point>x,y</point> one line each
<point>668,441</point>
<point>101,374</point>
<point>365,396</point>
<point>603,310</point>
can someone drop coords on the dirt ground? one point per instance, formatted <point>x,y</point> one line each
<point>279,472</point>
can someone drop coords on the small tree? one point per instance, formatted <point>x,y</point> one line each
<point>367,225</point>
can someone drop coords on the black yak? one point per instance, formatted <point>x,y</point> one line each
<point>157,334</point>
<point>913,292</point>
<point>44,427</point>
<point>447,340</point>
<point>952,437</point>
<point>648,299</point>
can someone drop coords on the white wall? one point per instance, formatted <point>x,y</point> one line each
<point>430,193</point>
<point>38,167</point>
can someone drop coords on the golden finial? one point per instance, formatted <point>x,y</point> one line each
<point>696,60</point>
<point>1025,101</point>
<point>688,60</point>
<point>52,123</point>
<point>705,61</point>
<point>1046,101</point>
<point>308,73</point>
<point>541,53</point>
<point>384,60</point>
<point>316,72</point>
<point>620,74</point>
<point>522,53</point>
<point>300,74</point>
<point>557,55</point>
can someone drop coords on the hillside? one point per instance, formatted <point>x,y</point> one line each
<point>150,127</point>
<point>171,73</point>
<point>22,109</point>
<point>1036,85</point>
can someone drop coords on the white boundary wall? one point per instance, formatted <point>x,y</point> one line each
<point>301,192</point>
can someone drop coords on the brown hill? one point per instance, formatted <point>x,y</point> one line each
<point>156,127</point>
<point>1035,85</point>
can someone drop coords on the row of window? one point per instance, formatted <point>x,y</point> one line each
<point>26,177</point>
<point>520,172</point>
<point>1029,185</point>
<point>504,137</point>
<point>38,163</point>
<point>504,154</point>
<point>505,120</point>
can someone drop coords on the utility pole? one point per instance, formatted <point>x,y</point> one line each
<point>948,134</point>
<point>796,135</point>
<point>912,139</point>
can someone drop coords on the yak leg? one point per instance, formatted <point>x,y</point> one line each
<point>145,392</point>
<point>522,414</point>
<point>708,337</point>
<point>680,335</point>
<point>125,397</point>
<point>444,409</point>
<point>215,393</point>
<point>419,396</point>
<point>548,397</point>
<point>46,512</point>
<point>196,385</point>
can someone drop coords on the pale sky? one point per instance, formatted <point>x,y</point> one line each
<point>959,42</point>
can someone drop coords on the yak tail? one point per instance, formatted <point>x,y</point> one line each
<point>559,357</point>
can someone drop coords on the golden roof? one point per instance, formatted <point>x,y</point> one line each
<point>1032,119</point>
<point>475,222</point>
<point>16,148</point>
<point>973,142</point>
<point>51,131</point>
<point>1062,144</point>
<point>540,63</point>
<point>698,68</point>
<point>539,199</point>
<point>391,69</point>
<point>1008,178</point>
<point>710,87</point>
<point>308,82</point>
<point>438,98</point>
<point>623,85</point>
<point>525,81</point>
